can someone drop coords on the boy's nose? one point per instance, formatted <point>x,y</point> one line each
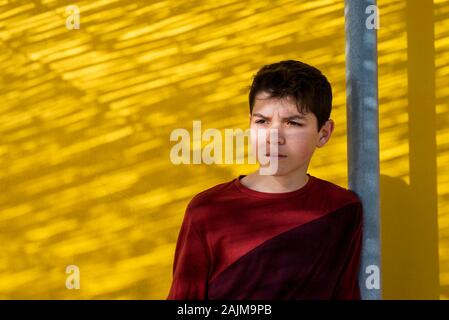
<point>275,135</point>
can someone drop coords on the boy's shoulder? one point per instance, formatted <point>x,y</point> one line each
<point>337,192</point>
<point>335,197</point>
<point>212,194</point>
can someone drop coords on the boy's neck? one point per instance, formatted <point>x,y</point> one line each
<point>276,184</point>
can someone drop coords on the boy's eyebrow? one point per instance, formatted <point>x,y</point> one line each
<point>288,118</point>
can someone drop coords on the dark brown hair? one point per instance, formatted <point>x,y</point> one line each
<point>306,84</point>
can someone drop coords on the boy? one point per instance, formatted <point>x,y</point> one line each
<point>287,235</point>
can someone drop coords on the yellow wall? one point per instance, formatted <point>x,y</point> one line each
<point>413,83</point>
<point>86,115</point>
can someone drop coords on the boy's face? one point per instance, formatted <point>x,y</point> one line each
<point>297,133</point>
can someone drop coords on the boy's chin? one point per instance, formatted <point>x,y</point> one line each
<point>279,171</point>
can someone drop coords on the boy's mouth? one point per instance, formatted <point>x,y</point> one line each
<point>279,155</point>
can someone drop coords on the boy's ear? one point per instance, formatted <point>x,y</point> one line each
<point>325,133</point>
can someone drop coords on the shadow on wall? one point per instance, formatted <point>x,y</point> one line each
<point>409,243</point>
<point>410,227</point>
<point>410,212</point>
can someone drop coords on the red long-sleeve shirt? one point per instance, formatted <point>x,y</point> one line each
<point>238,243</point>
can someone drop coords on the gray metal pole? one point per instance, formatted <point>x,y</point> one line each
<point>363,134</point>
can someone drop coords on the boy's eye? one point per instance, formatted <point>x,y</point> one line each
<point>295,123</point>
<point>260,121</point>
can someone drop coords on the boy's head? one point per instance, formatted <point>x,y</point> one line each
<point>296,99</point>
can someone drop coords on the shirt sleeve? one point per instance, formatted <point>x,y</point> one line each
<point>348,284</point>
<point>191,263</point>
